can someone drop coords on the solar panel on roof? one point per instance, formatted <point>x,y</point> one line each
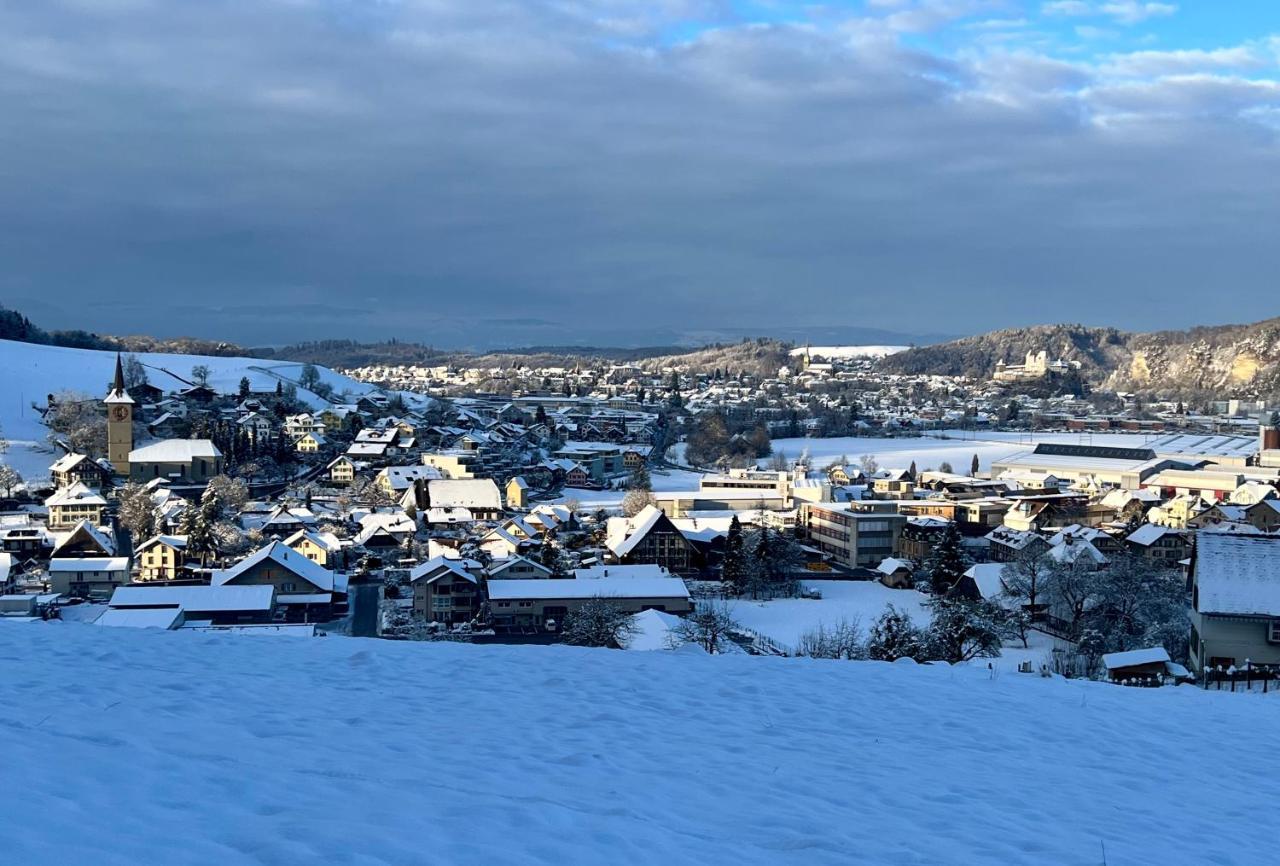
<point>1062,449</point>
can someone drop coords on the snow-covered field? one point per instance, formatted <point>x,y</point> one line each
<point>662,479</point>
<point>931,451</point>
<point>128,747</point>
<point>786,620</point>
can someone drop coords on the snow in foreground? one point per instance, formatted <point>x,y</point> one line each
<point>157,747</point>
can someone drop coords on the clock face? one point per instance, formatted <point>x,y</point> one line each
<point>119,413</point>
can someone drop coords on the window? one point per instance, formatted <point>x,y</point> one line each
<point>1273,632</point>
<point>526,604</point>
<point>288,587</point>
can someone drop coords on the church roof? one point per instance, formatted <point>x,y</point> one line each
<point>118,394</point>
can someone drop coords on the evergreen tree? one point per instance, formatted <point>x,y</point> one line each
<point>974,466</point>
<point>640,480</point>
<point>963,629</point>
<point>244,387</point>
<point>946,562</point>
<point>893,636</point>
<point>912,470</point>
<point>734,571</point>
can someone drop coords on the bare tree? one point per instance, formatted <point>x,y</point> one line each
<point>200,374</point>
<point>842,641</point>
<point>9,478</point>
<point>870,466</point>
<point>708,626</point>
<point>597,622</point>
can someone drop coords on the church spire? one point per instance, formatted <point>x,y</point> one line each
<point>118,393</point>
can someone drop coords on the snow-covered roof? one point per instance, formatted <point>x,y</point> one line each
<point>624,533</point>
<point>628,572</point>
<point>605,587</point>
<point>147,617</point>
<point>892,564</point>
<point>284,556</point>
<point>89,563</point>
<point>76,494</point>
<point>175,451</point>
<point>1149,534</point>
<point>439,566</point>
<point>197,598</point>
<point>987,577</point>
<point>465,493</point>
<point>1238,574</point>
<point>1153,655</point>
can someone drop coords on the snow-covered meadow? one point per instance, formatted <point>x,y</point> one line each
<point>954,447</point>
<point>141,747</point>
<point>786,620</point>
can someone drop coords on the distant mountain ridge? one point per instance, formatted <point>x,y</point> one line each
<point>1236,360</point>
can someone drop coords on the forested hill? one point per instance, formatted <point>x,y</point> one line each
<point>1239,360</point>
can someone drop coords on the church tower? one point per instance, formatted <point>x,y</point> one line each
<point>119,423</point>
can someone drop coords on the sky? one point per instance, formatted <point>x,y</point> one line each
<point>517,172</point>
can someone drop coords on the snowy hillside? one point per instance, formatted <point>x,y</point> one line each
<point>129,747</point>
<point>847,352</point>
<point>29,373</point>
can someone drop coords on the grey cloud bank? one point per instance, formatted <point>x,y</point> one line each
<point>442,171</point>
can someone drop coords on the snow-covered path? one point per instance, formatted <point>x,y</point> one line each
<point>126,747</point>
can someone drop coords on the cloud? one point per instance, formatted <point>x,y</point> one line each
<point>1122,11</point>
<point>424,168</point>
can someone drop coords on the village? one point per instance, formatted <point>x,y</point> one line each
<point>624,507</point>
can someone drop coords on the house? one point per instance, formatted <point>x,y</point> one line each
<point>519,568</point>
<point>87,576</point>
<point>543,604</point>
<point>179,461</point>
<point>896,573</point>
<point>447,590</point>
<point>79,468</point>
<point>303,588</point>
<point>650,537</point>
<point>466,499</point>
<point>322,548</point>
<point>1264,515</point>
<point>70,505</point>
<point>162,557</point>
<point>1007,544</point>
<point>297,426</point>
<point>919,535</point>
<point>257,427</point>
<point>342,471</point>
<point>1142,665</point>
<point>1235,600</point>
<point>214,605</point>
<point>85,539</point>
<point>1160,544</point>
<point>517,492</point>
<point>382,530</point>
<point>395,480</point>
<point>852,533</point>
<point>310,443</point>
<point>164,618</point>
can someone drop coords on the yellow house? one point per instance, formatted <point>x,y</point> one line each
<point>70,505</point>
<point>320,547</point>
<point>517,492</point>
<point>162,557</point>
<point>310,443</point>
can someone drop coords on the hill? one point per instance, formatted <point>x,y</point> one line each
<point>34,371</point>
<point>242,750</point>
<point>1237,360</point>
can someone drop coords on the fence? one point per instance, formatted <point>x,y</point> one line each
<point>1248,678</point>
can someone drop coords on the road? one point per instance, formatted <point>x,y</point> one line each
<point>364,598</point>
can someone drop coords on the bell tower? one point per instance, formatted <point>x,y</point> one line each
<point>119,423</point>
